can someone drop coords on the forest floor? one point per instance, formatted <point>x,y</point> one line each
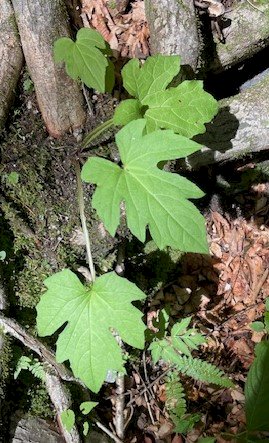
<point>224,292</point>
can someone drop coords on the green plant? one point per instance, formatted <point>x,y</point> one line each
<point>32,365</point>
<point>2,255</point>
<point>158,125</point>
<point>257,385</point>
<point>68,416</point>
<point>176,405</point>
<point>175,349</point>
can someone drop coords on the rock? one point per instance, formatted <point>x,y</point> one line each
<point>35,430</point>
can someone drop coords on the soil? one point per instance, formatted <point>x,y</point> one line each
<point>224,292</point>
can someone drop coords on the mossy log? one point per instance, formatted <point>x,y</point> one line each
<point>173,30</point>
<point>247,34</point>
<point>240,129</point>
<point>11,58</point>
<point>60,100</point>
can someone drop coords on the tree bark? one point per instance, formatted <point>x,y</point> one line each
<point>173,30</point>
<point>11,58</point>
<point>60,100</point>
<point>241,128</point>
<point>247,34</point>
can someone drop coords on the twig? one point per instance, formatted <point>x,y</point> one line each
<point>119,406</point>
<point>87,99</point>
<point>83,220</point>
<point>255,7</point>
<point>149,408</point>
<point>15,330</point>
<point>149,386</point>
<point>108,432</point>
<point>129,418</point>
<point>146,374</point>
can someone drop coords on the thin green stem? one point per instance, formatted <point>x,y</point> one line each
<point>83,220</point>
<point>97,132</point>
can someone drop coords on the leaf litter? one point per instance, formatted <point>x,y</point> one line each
<point>225,292</point>
<point>126,32</point>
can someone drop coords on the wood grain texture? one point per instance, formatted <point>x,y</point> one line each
<point>172,25</point>
<point>11,58</point>
<point>60,100</point>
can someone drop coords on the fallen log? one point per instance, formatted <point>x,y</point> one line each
<point>247,34</point>
<point>54,373</point>
<point>60,99</point>
<point>173,30</point>
<point>11,59</point>
<point>240,129</point>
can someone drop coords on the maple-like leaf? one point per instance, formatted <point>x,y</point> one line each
<point>85,58</point>
<point>92,314</point>
<point>184,108</point>
<point>152,197</point>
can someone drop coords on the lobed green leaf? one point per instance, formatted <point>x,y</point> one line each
<point>184,109</point>
<point>152,197</point>
<point>86,59</point>
<point>91,314</point>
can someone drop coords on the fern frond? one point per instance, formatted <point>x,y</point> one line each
<point>23,363</point>
<point>176,405</point>
<point>32,365</point>
<point>175,395</point>
<point>36,368</point>
<point>196,368</point>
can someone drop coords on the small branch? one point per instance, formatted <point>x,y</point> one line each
<point>83,220</point>
<point>119,406</point>
<point>108,432</point>
<point>61,400</point>
<point>87,99</point>
<point>59,395</point>
<point>149,386</point>
<point>15,330</point>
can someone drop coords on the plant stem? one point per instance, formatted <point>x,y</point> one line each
<point>83,220</point>
<point>96,132</point>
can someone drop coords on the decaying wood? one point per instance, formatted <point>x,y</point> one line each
<point>13,328</point>
<point>61,400</point>
<point>241,128</point>
<point>173,30</point>
<point>247,34</point>
<point>54,371</point>
<point>32,430</point>
<point>11,58</point>
<point>40,23</point>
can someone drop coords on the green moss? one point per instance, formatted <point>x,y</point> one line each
<point>5,359</point>
<point>39,401</point>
